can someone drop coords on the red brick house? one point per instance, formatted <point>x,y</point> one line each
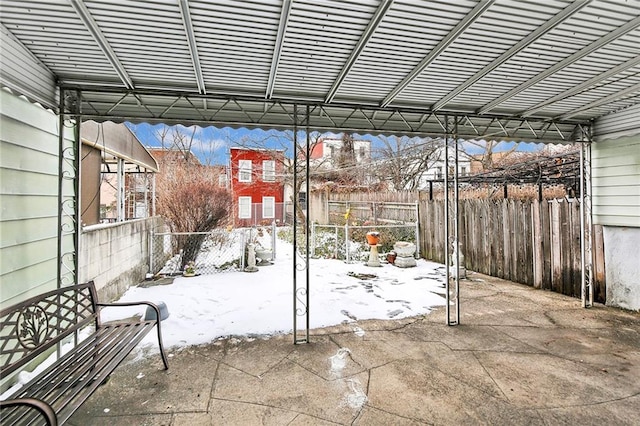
<point>257,185</point>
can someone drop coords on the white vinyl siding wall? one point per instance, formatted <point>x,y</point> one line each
<point>616,181</point>
<point>29,199</point>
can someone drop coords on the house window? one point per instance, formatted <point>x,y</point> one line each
<point>362,153</point>
<point>463,171</point>
<point>269,170</point>
<point>268,207</point>
<point>438,172</point>
<point>302,198</point>
<point>244,207</point>
<point>244,173</point>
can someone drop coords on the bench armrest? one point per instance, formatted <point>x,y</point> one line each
<point>44,408</point>
<point>124,304</point>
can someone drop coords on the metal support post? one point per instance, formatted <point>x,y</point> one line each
<point>77,165</point>
<point>586,242</point>
<point>456,226</point>
<point>453,318</point>
<point>446,221</point>
<point>306,216</point>
<point>300,293</point>
<point>296,200</point>
<point>120,191</point>
<point>69,155</point>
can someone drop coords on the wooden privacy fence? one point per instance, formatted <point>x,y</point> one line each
<point>530,242</point>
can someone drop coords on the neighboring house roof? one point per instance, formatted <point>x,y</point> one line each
<point>116,141</point>
<point>164,154</point>
<point>244,148</point>
<point>318,151</point>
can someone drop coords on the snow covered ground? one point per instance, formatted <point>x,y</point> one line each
<point>206,307</point>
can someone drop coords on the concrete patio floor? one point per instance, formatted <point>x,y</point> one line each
<point>520,356</point>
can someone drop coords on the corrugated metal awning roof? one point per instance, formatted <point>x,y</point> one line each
<point>506,69</point>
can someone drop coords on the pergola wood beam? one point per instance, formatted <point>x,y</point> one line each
<point>603,41</point>
<point>101,40</point>
<point>193,47</point>
<point>515,49</point>
<point>465,23</point>
<point>362,43</point>
<point>277,49</point>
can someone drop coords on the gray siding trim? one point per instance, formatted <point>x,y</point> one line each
<point>623,123</point>
<point>24,74</point>
<point>616,182</point>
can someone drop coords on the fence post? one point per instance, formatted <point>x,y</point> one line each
<point>537,243</point>
<point>375,213</point>
<point>417,233</point>
<point>242,235</point>
<point>274,236</point>
<point>346,241</point>
<point>151,237</point>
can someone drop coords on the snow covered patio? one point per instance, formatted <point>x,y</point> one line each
<point>520,356</point>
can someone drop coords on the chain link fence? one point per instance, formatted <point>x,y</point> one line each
<point>349,242</point>
<point>344,237</point>
<point>217,251</point>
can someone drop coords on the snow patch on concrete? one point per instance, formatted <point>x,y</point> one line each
<point>356,398</point>
<point>339,360</point>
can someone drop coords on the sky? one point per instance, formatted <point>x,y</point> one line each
<point>211,145</point>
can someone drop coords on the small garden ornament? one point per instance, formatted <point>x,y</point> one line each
<point>189,269</point>
<point>373,238</point>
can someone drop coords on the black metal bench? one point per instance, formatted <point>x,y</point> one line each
<point>32,328</point>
